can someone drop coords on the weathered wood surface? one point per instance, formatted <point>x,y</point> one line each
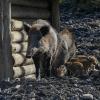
<point>28,61</point>
<point>5,19</point>
<point>2,69</point>
<point>25,36</point>
<point>31,3</point>
<point>32,76</point>
<point>18,59</point>
<point>16,48</point>
<point>28,12</point>
<point>17,36</point>
<point>19,47</point>
<point>27,20</point>
<point>16,25</point>
<point>55,14</point>
<point>23,70</point>
<point>24,46</point>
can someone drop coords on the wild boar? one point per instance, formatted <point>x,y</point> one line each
<point>47,47</point>
<point>89,62</point>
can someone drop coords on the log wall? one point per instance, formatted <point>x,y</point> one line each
<point>22,67</point>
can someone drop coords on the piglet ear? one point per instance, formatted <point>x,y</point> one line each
<point>27,27</point>
<point>44,30</point>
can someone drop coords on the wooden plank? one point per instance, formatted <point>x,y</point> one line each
<point>21,71</point>
<point>6,46</point>
<point>2,69</point>
<point>27,12</point>
<point>55,14</point>
<point>31,3</point>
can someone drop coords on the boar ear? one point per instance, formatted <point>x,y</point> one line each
<point>27,27</point>
<point>44,30</point>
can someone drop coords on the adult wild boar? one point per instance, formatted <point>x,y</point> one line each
<point>47,48</point>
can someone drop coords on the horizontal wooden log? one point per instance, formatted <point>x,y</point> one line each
<point>16,25</point>
<point>17,36</point>
<point>25,36</point>
<point>23,70</point>
<point>16,47</point>
<point>32,76</point>
<point>28,20</point>
<point>18,59</point>
<point>24,53</point>
<point>31,3</point>
<point>27,12</point>
<point>19,47</point>
<point>28,61</point>
<point>24,46</point>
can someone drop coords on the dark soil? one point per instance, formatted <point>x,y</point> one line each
<point>86,27</point>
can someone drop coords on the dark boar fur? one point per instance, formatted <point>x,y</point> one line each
<point>74,68</point>
<point>47,48</point>
<point>89,62</point>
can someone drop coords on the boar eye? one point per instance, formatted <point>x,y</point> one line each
<point>44,30</point>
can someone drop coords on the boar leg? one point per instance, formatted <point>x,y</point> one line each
<point>46,64</point>
<point>37,66</point>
